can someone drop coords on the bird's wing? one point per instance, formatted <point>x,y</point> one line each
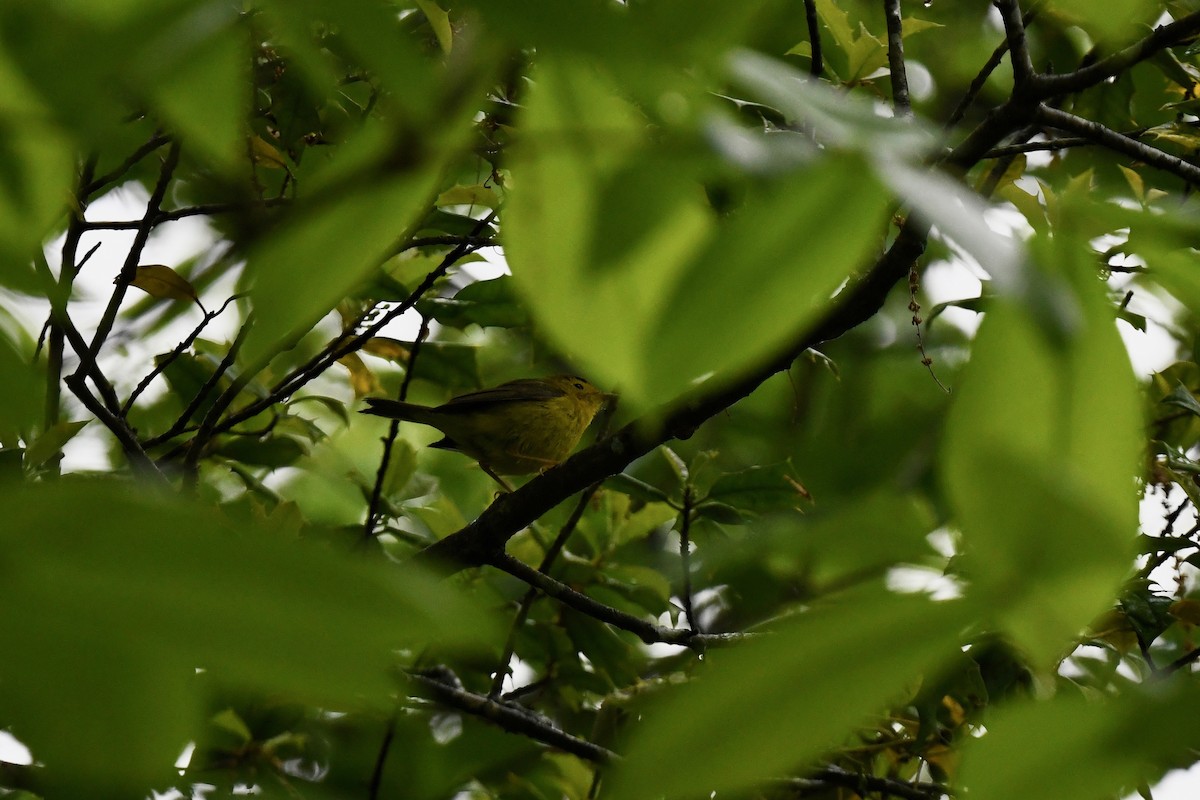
<point>511,392</point>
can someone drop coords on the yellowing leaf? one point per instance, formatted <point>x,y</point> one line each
<point>163,282</point>
<point>384,347</point>
<point>266,154</point>
<point>1135,182</point>
<point>1186,611</point>
<point>362,380</point>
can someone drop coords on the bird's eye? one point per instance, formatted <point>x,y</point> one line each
<point>579,386</point>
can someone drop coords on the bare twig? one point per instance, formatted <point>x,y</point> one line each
<point>646,631</point>
<point>179,349</point>
<point>814,37</point>
<point>94,185</point>
<point>685,558</point>
<point>551,555</point>
<point>898,74</point>
<point>349,344</point>
<point>129,268</point>
<point>393,431</point>
<point>513,718</point>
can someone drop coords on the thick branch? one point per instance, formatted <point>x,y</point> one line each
<point>1161,38</point>
<point>1120,143</point>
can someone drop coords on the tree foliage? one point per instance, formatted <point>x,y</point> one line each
<point>850,531</point>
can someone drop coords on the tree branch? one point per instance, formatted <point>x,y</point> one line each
<point>1117,142</point>
<point>814,38</point>
<point>514,719</point>
<point>129,268</point>
<point>1160,38</point>
<point>349,344</point>
<point>896,69</point>
<point>1018,47</point>
<point>648,632</point>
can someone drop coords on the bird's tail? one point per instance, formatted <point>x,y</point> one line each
<point>396,409</point>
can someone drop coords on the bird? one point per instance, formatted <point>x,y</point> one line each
<point>516,428</point>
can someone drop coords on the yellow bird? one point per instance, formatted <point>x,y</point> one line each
<point>515,428</point>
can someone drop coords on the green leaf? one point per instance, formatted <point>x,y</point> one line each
<point>115,596</point>
<point>1110,743</point>
<point>485,303</point>
<point>197,76</point>
<point>439,20</point>
<point>638,489</point>
<point>273,451</point>
<point>1039,457</point>
<point>311,250</point>
<point>21,400</point>
<point>764,488</point>
<point>1182,397</point>
<point>50,442</point>
<point>795,693</point>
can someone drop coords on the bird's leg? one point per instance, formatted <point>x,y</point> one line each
<point>496,477</point>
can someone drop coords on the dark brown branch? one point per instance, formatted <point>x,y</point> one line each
<point>350,344</point>
<point>389,441</point>
<point>552,553</point>
<point>980,79</point>
<point>1162,37</point>
<point>514,719</point>
<point>1117,142</point>
<point>94,185</point>
<point>381,759</point>
<point>209,316</point>
<point>648,632</point>
<point>129,268</point>
<point>137,457</point>
<point>181,423</point>
<point>814,37</point>
<point>1018,47</point>
<point>898,73</point>
<point>685,558</point>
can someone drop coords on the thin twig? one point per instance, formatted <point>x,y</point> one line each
<point>822,780</point>
<point>814,38</point>
<point>349,344</point>
<point>211,417</point>
<point>898,74</point>
<point>514,719</point>
<point>548,559</point>
<point>646,631</point>
<point>393,431</point>
<point>381,758</point>
<point>129,268</point>
<point>179,349</point>
<point>94,185</point>
<point>685,558</point>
